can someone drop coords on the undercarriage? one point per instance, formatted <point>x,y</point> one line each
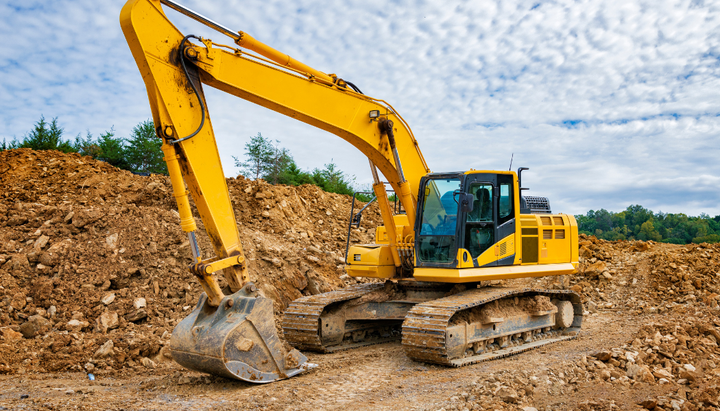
<point>437,322</point>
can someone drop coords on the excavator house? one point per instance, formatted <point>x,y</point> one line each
<point>433,257</point>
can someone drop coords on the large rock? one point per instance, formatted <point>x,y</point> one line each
<point>108,320</point>
<point>17,220</point>
<point>85,217</point>
<point>640,373</point>
<point>507,394</point>
<point>596,269</point>
<point>55,252</point>
<point>35,325</point>
<point>49,259</point>
<point>108,298</point>
<point>603,355</point>
<point>41,242</point>
<point>18,301</point>
<point>10,335</point>
<point>18,263</point>
<point>105,350</point>
<point>136,315</point>
<point>662,373</point>
<point>75,325</point>
<point>112,240</point>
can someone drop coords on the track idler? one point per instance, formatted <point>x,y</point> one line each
<point>236,340</point>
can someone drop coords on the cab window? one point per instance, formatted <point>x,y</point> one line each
<point>505,199</point>
<point>439,221</point>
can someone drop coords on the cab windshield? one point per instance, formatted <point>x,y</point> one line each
<point>439,220</point>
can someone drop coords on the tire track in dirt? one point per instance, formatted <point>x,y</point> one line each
<point>357,383</point>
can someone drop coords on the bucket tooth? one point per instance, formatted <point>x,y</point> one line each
<point>236,340</point>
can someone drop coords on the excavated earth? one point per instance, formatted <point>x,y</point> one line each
<point>93,280</point>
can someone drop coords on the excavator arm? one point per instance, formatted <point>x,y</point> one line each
<point>174,71</point>
<point>175,67</point>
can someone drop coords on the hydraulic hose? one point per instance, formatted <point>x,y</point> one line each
<point>197,93</point>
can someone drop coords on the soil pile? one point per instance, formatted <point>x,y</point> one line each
<point>671,363</point>
<point>93,278</point>
<point>93,262</point>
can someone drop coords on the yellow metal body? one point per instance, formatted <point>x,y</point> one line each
<point>281,84</point>
<point>541,245</point>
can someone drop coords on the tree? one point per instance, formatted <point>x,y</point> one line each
<point>332,180</point>
<point>277,167</point>
<point>143,151</point>
<point>86,146</point>
<point>112,150</point>
<point>46,137</point>
<point>710,239</point>
<point>294,176</point>
<point>648,232</point>
<point>259,152</point>
<point>8,146</point>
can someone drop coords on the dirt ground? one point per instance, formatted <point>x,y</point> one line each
<point>92,282</point>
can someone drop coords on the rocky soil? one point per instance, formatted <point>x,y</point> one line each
<point>93,280</point>
<point>93,262</point>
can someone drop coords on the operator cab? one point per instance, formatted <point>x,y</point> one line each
<point>463,215</point>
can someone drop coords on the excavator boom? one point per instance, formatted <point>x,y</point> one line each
<point>234,335</point>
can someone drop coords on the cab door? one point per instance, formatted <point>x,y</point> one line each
<point>479,228</point>
<point>505,220</point>
<point>491,223</point>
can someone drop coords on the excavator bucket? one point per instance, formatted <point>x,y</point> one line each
<point>237,339</point>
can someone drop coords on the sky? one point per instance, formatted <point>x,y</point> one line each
<point>609,103</point>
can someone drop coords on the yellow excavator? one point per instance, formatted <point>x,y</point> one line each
<point>433,259</point>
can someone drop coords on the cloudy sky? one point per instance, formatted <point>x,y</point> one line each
<point>610,103</point>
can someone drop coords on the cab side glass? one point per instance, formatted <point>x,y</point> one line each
<point>505,201</point>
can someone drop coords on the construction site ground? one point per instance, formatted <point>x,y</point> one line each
<point>93,280</point>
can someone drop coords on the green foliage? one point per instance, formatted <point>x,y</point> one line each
<point>639,223</point>
<point>274,164</point>
<point>673,241</point>
<point>332,180</point>
<point>140,153</point>
<point>86,146</point>
<point>294,176</point>
<point>259,152</point>
<point>278,166</point>
<point>710,239</point>
<point>8,146</point>
<point>648,232</point>
<point>112,150</point>
<point>143,151</point>
<point>46,136</point>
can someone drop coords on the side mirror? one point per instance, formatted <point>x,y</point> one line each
<point>467,202</point>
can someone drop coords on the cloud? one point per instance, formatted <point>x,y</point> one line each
<point>610,103</point>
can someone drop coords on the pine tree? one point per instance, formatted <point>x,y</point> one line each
<point>144,150</point>
<point>46,137</point>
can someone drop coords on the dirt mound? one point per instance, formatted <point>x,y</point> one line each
<point>92,258</point>
<point>93,278</point>
<point>671,363</point>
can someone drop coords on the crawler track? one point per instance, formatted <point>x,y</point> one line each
<point>424,331</point>
<point>301,322</point>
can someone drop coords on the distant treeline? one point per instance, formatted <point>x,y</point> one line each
<point>639,223</point>
<point>142,153</point>
<point>139,153</point>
